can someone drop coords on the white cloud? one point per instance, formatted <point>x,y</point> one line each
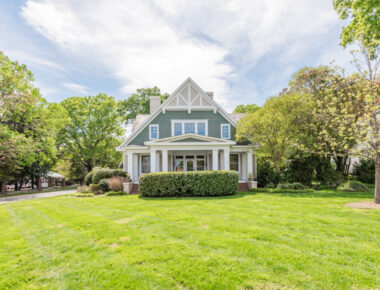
<point>76,88</point>
<point>24,57</point>
<point>146,43</point>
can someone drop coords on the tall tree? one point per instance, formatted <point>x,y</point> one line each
<point>92,133</point>
<point>276,125</point>
<point>251,108</point>
<point>138,103</point>
<point>25,115</point>
<point>363,29</point>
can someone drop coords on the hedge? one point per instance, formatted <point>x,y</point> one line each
<point>196,183</point>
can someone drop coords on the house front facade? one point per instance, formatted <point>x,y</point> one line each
<point>188,132</point>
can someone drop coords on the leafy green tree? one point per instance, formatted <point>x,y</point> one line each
<point>363,29</point>
<point>138,103</point>
<point>15,152</point>
<point>364,22</point>
<point>276,126</point>
<point>251,108</point>
<point>25,115</point>
<point>92,133</point>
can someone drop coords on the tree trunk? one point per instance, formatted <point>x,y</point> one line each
<point>39,185</point>
<point>3,187</point>
<point>377,178</point>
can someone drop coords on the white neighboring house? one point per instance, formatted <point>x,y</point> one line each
<point>188,132</point>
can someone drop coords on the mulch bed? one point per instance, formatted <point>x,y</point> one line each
<point>364,205</point>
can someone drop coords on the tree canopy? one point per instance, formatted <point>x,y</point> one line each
<point>93,132</point>
<point>138,103</point>
<point>246,108</point>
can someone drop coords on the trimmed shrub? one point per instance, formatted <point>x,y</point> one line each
<point>365,171</point>
<point>82,194</point>
<point>196,183</point>
<point>95,189</point>
<point>105,173</point>
<point>294,185</point>
<point>266,174</point>
<point>103,185</point>
<point>84,189</point>
<point>116,183</point>
<point>113,193</point>
<point>353,186</point>
<point>278,190</point>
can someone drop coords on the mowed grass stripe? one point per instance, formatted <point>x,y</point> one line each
<point>248,240</point>
<point>65,255</point>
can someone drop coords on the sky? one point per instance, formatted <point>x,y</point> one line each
<point>243,50</point>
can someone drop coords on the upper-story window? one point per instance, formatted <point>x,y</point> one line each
<point>180,127</point>
<point>225,131</point>
<point>153,132</point>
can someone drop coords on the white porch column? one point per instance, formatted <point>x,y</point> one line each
<point>226,159</point>
<point>152,160</point>
<point>164,160</point>
<point>130,165</point>
<point>250,165</point>
<point>215,159</point>
<point>125,162</point>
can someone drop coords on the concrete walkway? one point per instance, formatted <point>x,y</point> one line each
<point>35,195</point>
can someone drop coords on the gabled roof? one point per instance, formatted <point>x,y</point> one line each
<point>200,138</point>
<point>167,104</point>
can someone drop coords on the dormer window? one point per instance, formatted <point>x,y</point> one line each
<point>225,131</point>
<point>153,132</point>
<point>180,127</point>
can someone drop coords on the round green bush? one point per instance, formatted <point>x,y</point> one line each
<point>196,183</point>
<point>353,186</point>
<point>103,185</point>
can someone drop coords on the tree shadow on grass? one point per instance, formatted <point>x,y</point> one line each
<point>240,194</point>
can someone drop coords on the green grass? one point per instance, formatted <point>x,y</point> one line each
<point>10,193</point>
<point>264,240</point>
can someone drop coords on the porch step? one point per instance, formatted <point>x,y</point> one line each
<point>135,188</point>
<point>243,186</point>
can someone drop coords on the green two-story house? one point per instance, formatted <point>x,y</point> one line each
<point>188,132</point>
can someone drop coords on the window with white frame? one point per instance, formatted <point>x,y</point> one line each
<point>189,127</point>
<point>153,132</point>
<point>180,127</point>
<point>225,131</point>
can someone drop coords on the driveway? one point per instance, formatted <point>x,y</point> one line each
<point>35,195</point>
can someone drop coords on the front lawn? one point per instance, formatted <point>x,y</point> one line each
<point>308,240</point>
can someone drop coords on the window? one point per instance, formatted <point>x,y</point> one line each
<point>153,132</point>
<point>234,162</point>
<point>225,131</point>
<point>177,129</point>
<point>180,127</point>
<point>145,164</point>
<point>189,128</point>
<point>201,129</point>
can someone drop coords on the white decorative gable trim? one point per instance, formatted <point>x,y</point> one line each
<point>188,96</point>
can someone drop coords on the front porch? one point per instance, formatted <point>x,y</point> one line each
<point>142,160</point>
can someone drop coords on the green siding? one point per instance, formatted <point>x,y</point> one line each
<point>164,122</point>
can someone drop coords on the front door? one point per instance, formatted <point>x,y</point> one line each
<point>189,164</point>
